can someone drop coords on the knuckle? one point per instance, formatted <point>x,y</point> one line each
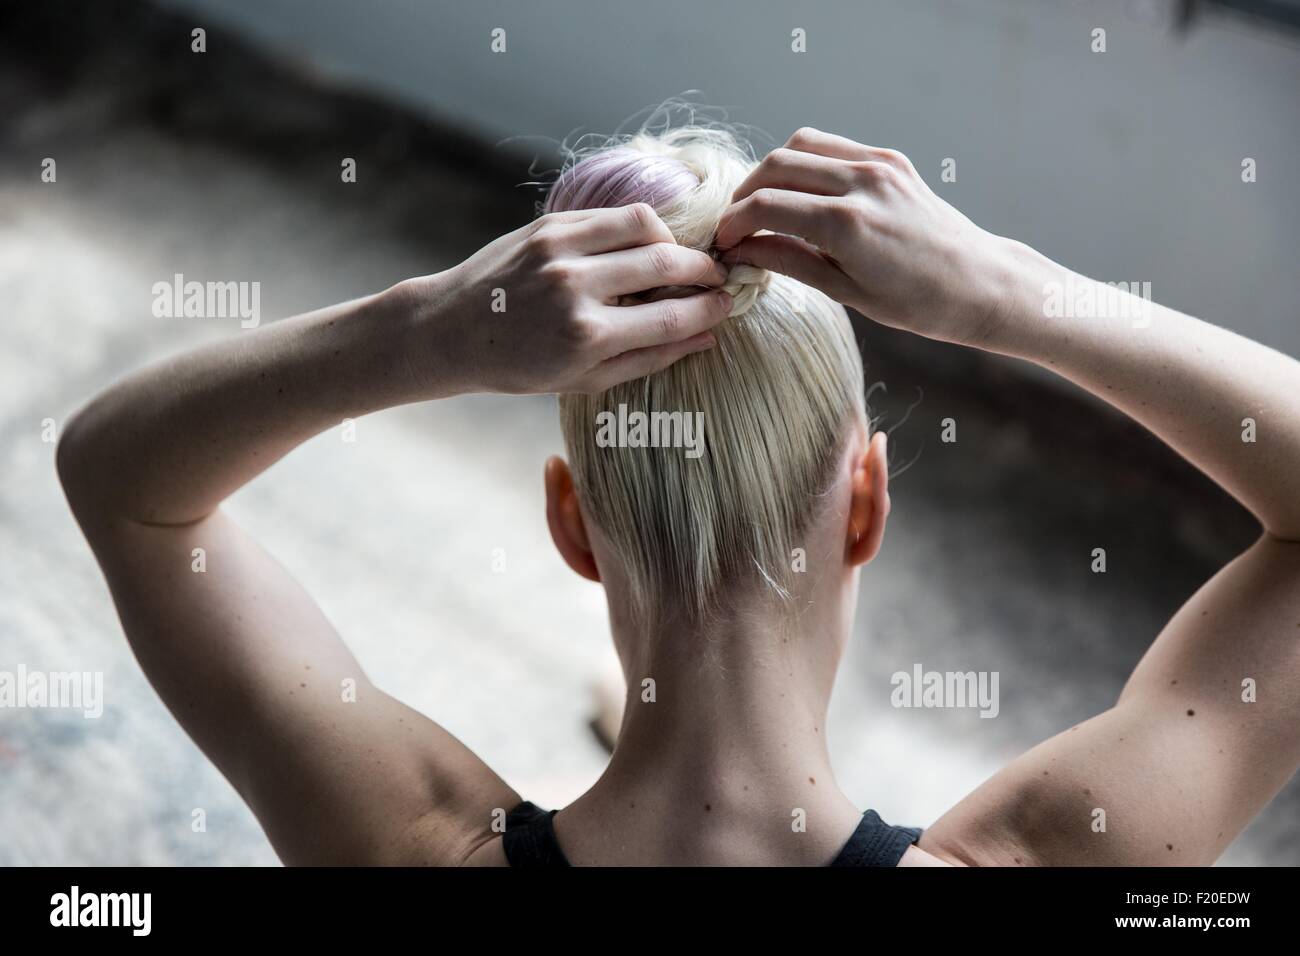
<point>560,273</point>
<point>865,171</point>
<point>549,224</point>
<point>544,243</point>
<point>843,214</point>
<point>639,216</point>
<point>670,318</point>
<point>783,157</point>
<point>577,328</point>
<point>764,198</point>
<point>896,159</point>
<point>661,259</point>
<point>803,136</point>
<point>874,175</point>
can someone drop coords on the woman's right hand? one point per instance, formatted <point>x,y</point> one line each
<point>538,310</point>
<point>859,223</point>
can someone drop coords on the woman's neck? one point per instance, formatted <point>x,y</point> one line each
<point>724,733</point>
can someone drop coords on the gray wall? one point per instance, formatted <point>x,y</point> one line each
<point>1124,165</point>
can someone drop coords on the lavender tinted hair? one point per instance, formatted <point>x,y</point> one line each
<point>620,177</point>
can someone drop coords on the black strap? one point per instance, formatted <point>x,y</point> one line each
<point>529,840</point>
<point>876,843</point>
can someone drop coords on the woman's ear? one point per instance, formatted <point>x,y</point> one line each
<point>869,505</point>
<point>564,518</point>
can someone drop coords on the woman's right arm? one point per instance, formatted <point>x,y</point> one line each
<point>1188,755</point>
<point>880,241</point>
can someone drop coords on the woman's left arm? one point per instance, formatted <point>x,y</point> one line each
<point>240,653</point>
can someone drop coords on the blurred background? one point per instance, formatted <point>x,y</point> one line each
<point>225,165</point>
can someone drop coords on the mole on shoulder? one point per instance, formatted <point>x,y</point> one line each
<point>1169,846</point>
<point>708,807</point>
<point>1191,713</point>
<point>813,781</point>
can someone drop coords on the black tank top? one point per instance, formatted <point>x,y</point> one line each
<point>529,840</point>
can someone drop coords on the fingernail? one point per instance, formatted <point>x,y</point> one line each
<point>725,299</point>
<point>705,343</point>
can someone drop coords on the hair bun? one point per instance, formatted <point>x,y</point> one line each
<point>687,174</point>
<point>744,283</point>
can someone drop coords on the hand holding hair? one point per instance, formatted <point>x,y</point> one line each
<point>538,310</point>
<point>858,223</point>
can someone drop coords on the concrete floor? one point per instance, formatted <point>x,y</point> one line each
<point>234,175</point>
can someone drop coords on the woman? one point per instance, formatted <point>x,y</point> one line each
<point>731,576</point>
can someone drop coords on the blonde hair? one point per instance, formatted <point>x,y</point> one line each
<point>779,394</point>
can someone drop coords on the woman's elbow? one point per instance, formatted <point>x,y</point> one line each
<point>74,462</point>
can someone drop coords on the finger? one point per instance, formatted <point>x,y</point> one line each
<point>809,140</point>
<point>664,322</point>
<point>620,227</point>
<point>792,257</point>
<point>614,274</point>
<point>778,210</point>
<point>804,172</point>
<point>828,145</point>
<point>639,363</point>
